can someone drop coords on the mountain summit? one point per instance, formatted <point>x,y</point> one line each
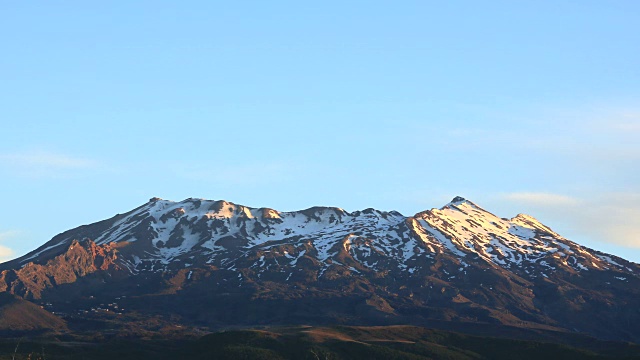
<point>219,263</point>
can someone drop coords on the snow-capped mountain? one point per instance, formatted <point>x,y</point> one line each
<point>459,262</point>
<point>164,235</point>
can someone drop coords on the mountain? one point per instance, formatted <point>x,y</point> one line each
<point>218,264</point>
<point>18,315</point>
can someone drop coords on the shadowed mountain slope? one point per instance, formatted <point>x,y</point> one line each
<point>216,263</point>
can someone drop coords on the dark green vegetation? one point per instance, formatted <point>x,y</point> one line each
<point>385,342</point>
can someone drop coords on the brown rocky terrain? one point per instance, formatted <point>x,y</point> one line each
<point>21,316</point>
<point>215,264</point>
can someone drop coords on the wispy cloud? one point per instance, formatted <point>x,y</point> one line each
<point>570,132</point>
<point>5,235</point>
<point>625,122</point>
<point>6,253</point>
<point>633,127</point>
<point>542,199</point>
<point>611,217</point>
<point>40,163</point>
<point>241,174</point>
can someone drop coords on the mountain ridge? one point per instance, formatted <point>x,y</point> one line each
<point>322,264</point>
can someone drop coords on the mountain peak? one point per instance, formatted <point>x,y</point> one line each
<point>458,199</point>
<point>266,259</point>
<point>525,217</point>
<point>531,222</point>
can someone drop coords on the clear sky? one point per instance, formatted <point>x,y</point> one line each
<point>519,106</point>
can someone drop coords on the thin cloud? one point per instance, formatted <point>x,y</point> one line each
<point>42,158</point>
<point>5,235</point>
<point>609,218</point>
<point>40,163</point>
<point>6,253</point>
<point>628,126</point>
<point>624,122</point>
<point>542,199</point>
<point>243,174</point>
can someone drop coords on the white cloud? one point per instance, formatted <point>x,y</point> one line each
<point>8,234</point>
<point>7,253</point>
<point>38,163</point>
<point>610,218</point>
<point>542,199</point>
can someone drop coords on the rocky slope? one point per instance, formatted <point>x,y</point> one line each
<point>21,316</point>
<point>219,263</point>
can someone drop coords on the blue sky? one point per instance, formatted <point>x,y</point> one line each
<point>520,106</point>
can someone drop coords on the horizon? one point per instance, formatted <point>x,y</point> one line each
<point>523,108</point>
